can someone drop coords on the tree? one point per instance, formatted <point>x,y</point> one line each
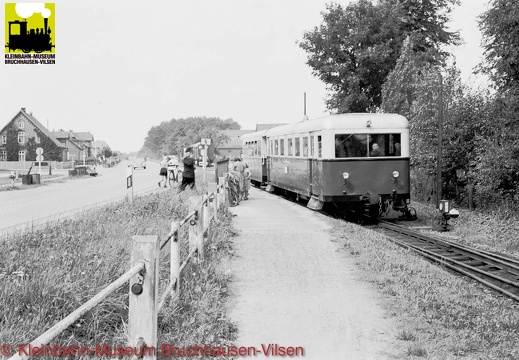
<point>173,136</point>
<point>106,152</point>
<point>500,29</point>
<point>356,47</point>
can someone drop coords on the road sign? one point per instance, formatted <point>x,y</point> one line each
<point>39,158</point>
<point>129,183</point>
<point>39,151</point>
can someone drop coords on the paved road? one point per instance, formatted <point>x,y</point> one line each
<point>35,205</point>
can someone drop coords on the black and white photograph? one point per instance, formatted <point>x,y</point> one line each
<point>313,179</point>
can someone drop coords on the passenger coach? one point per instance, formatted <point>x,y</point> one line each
<point>356,162</point>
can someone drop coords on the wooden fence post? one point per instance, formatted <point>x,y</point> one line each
<point>207,213</point>
<point>143,309</point>
<point>175,260</point>
<point>213,189</point>
<point>201,230</point>
<point>221,194</point>
<point>194,205</point>
<point>226,198</point>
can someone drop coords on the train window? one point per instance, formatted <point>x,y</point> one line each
<point>312,151</point>
<point>305,146</point>
<point>364,145</point>
<point>290,144</point>
<point>276,148</point>
<point>282,147</point>
<point>271,147</point>
<point>319,146</point>
<point>298,147</point>
<point>385,144</point>
<point>351,145</point>
<point>256,148</point>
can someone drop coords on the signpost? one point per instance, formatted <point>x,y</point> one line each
<point>205,143</point>
<point>129,183</point>
<point>39,158</point>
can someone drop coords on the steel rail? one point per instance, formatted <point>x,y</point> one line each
<point>468,270</point>
<point>496,258</point>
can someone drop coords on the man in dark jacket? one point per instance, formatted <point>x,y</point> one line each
<point>188,176</point>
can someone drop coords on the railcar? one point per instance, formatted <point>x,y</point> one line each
<point>353,162</point>
<point>254,153</point>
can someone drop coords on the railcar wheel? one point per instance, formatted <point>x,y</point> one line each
<point>26,50</point>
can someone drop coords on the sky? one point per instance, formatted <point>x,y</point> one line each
<point>125,66</point>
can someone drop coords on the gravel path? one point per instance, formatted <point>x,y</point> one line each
<point>294,288</point>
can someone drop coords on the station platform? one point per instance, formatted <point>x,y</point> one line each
<point>295,288</point>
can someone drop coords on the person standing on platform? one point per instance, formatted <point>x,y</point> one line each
<point>239,167</point>
<point>232,188</point>
<point>246,182</point>
<point>188,176</point>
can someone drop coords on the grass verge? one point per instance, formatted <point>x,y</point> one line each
<point>48,273</point>
<point>442,316</point>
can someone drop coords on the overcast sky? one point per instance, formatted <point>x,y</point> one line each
<point>125,66</point>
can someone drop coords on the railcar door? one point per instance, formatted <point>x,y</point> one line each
<point>313,169</point>
<point>264,153</point>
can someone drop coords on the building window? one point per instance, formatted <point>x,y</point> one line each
<point>4,139</point>
<point>21,137</point>
<point>38,140</point>
<point>21,155</point>
<point>3,155</point>
<point>21,124</point>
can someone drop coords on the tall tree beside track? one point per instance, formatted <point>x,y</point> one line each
<point>173,136</point>
<point>500,29</point>
<point>413,90</point>
<point>356,46</point>
<point>498,165</point>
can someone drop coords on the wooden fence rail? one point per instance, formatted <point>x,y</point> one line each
<point>143,275</point>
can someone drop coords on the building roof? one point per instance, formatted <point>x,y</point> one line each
<point>234,138</point>
<point>99,144</point>
<point>84,136</point>
<point>261,127</point>
<point>37,124</point>
<point>74,136</point>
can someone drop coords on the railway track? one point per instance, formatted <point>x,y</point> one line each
<point>495,271</point>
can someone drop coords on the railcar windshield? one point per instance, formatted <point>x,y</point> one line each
<point>366,145</point>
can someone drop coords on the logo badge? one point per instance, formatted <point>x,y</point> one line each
<point>30,33</point>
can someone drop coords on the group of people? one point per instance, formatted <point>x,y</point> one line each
<point>238,181</point>
<point>238,177</point>
<point>169,168</point>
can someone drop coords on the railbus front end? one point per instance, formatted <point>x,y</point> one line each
<point>357,162</point>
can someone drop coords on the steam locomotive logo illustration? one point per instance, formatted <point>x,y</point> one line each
<point>29,27</point>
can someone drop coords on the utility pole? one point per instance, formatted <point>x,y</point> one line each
<point>305,117</point>
<point>439,180</point>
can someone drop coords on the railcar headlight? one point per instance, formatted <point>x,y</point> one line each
<point>396,174</point>
<point>345,175</point>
